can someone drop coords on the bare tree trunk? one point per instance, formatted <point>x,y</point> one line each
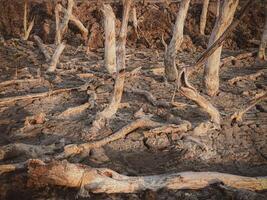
<point>55,57</point>
<point>104,180</point>
<point>203,17</point>
<point>110,38</point>
<point>27,30</point>
<point>211,72</point>
<point>261,53</point>
<point>113,106</point>
<point>177,38</point>
<point>61,27</point>
<point>218,5</point>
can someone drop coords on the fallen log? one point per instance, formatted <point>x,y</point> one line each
<point>251,77</point>
<point>103,180</point>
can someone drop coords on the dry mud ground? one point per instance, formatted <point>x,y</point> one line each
<point>238,149</point>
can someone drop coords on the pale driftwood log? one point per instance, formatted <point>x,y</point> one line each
<point>27,30</point>
<point>7,100</point>
<point>103,180</point>
<point>211,72</point>
<point>191,93</point>
<point>75,20</point>
<point>203,17</point>
<point>18,149</point>
<point>42,47</point>
<point>237,116</point>
<point>261,53</point>
<point>74,149</point>
<point>54,60</point>
<point>111,109</point>
<point>110,38</point>
<point>251,77</point>
<point>171,71</point>
<point>61,27</point>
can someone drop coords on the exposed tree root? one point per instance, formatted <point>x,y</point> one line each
<point>169,128</point>
<point>237,116</point>
<point>74,149</point>
<point>191,93</point>
<point>30,151</point>
<point>20,81</point>
<point>103,180</point>
<point>35,95</point>
<point>74,111</point>
<point>251,77</point>
<point>42,47</point>
<point>12,167</point>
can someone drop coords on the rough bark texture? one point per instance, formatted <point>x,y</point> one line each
<point>61,27</point>
<point>211,72</point>
<point>103,180</point>
<point>112,108</point>
<point>171,71</point>
<point>261,54</point>
<point>110,38</point>
<point>203,17</point>
<point>191,93</point>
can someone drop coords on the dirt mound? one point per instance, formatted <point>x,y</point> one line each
<point>154,22</point>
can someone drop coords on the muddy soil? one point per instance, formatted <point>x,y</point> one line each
<point>237,148</point>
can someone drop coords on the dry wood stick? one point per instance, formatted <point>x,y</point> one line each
<point>27,30</point>
<point>55,57</point>
<point>20,81</point>
<point>104,180</point>
<point>12,167</point>
<point>252,77</point>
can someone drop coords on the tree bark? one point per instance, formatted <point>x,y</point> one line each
<point>171,71</point>
<point>261,53</point>
<point>203,17</point>
<point>104,180</point>
<point>211,72</point>
<point>55,57</point>
<point>111,109</point>
<point>110,38</point>
<point>61,27</point>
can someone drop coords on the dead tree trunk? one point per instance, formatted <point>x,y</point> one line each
<point>61,27</point>
<point>211,72</point>
<point>104,180</point>
<point>203,17</point>
<point>171,72</point>
<point>27,30</point>
<point>113,106</point>
<point>110,38</point>
<point>218,5</point>
<point>261,53</point>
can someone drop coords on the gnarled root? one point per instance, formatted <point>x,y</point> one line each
<point>103,180</point>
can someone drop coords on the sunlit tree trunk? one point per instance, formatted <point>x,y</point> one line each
<point>261,53</point>
<point>211,72</point>
<point>171,71</point>
<point>203,17</point>
<point>110,39</point>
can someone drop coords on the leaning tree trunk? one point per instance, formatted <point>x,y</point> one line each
<point>261,53</point>
<point>110,39</point>
<point>203,17</point>
<point>177,38</point>
<point>211,72</point>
